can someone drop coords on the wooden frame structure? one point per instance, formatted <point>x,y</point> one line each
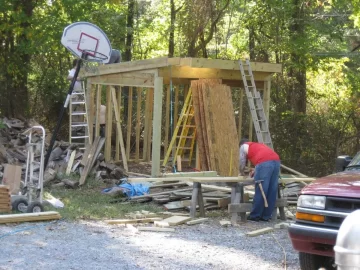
<point>147,85</point>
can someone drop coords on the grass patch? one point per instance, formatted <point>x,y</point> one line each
<point>87,202</point>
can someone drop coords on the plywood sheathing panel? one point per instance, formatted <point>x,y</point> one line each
<point>216,127</point>
<point>222,129</point>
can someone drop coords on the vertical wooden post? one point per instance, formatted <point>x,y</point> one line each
<point>156,141</point>
<point>89,99</point>
<point>241,103</point>
<point>117,147</point>
<point>98,106</point>
<point>176,105</point>
<point>151,110</point>
<point>146,127</point>
<point>108,125</point>
<point>167,119</point>
<point>266,99</point>
<point>138,123</point>
<point>129,123</point>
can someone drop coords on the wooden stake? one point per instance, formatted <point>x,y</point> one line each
<point>98,105</point>
<point>146,128</point>
<point>151,119</point>
<point>241,103</point>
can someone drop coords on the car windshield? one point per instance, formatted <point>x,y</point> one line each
<point>355,162</point>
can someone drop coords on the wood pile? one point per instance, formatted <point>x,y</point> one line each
<point>291,191</point>
<point>215,127</point>
<point>5,200</point>
<point>65,158</point>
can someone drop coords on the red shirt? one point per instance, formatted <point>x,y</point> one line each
<point>259,153</point>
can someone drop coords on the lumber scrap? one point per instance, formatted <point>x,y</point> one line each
<point>197,221</point>
<point>156,229</point>
<point>71,162</point>
<point>89,160</point>
<point>51,215</point>
<point>159,193</point>
<point>133,221</point>
<point>260,231</point>
<point>176,220</point>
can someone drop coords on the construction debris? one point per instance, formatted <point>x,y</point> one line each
<point>260,232</point>
<point>225,223</point>
<point>156,229</point>
<point>197,221</point>
<point>5,199</point>
<point>282,225</point>
<point>133,221</point>
<point>176,220</point>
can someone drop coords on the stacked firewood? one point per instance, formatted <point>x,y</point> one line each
<point>65,158</point>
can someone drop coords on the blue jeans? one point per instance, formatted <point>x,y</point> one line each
<point>269,172</point>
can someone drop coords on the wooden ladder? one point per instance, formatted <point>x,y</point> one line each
<point>184,134</point>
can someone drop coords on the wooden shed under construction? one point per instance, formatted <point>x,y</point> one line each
<point>144,101</point>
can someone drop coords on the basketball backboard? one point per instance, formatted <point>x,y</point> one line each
<point>83,36</point>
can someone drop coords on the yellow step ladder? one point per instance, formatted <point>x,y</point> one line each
<point>184,133</point>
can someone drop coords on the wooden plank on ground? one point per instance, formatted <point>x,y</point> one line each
<point>260,232</point>
<point>133,221</point>
<point>197,221</point>
<point>51,215</point>
<point>156,229</point>
<point>177,220</point>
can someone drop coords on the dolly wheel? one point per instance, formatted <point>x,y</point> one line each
<point>19,205</point>
<point>35,207</point>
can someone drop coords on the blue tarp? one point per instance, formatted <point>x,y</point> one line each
<point>131,190</point>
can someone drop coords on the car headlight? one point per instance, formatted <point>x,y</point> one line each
<point>310,201</point>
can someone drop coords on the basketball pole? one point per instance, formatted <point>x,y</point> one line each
<point>61,116</point>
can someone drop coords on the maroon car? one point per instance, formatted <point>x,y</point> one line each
<point>321,208</point>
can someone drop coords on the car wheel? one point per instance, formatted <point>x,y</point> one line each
<point>19,205</point>
<point>35,207</point>
<point>314,262</point>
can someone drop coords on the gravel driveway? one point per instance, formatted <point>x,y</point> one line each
<point>96,245</point>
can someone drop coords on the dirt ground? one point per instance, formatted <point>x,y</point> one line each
<point>97,245</point>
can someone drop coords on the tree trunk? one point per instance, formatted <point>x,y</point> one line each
<point>172,29</point>
<point>129,31</point>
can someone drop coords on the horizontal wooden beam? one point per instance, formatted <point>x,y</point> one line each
<point>207,73</point>
<point>125,79</point>
<point>229,64</point>
<point>133,66</point>
<point>191,174</point>
<point>181,62</point>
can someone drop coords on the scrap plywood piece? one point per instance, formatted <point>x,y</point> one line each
<point>12,178</point>
<point>5,199</point>
<point>176,220</point>
<point>260,232</point>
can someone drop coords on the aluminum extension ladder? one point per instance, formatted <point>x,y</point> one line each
<point>184,134</point>
<point>255,104</point>
<point>79,128</point>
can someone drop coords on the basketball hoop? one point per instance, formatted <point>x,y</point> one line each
<point>91,60</point>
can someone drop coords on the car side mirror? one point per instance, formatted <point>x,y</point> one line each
<point>341,163</point>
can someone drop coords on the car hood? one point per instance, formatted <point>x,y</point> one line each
<point>343,184</point>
